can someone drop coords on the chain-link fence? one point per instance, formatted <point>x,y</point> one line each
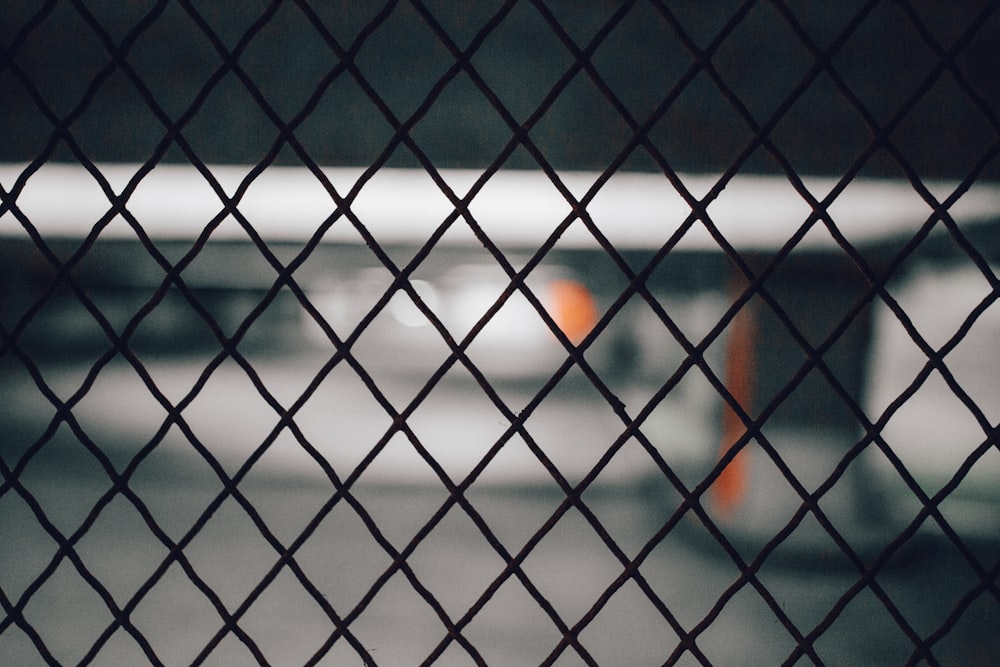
<point>722,277</point>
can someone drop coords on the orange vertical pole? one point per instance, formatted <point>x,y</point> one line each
<point>731,486</point>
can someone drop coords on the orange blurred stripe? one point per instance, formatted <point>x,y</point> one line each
<point>573,309</point>
<point>730,489</point>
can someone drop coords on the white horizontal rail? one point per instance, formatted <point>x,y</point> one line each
<point>516,209</point>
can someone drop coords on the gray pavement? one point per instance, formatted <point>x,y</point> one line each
<point>929,593</point>
<point>570,567</point>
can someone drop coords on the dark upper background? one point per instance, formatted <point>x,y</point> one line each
<point>945,134</point>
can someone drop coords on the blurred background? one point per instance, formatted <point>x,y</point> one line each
<point>150,505</point>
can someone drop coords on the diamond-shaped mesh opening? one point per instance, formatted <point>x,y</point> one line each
<point>893,646</point>
<point>768,645</point>
<point>504,75</point>
<point>501,638</point>
<point>899,73</point>
<point>506,334</point>
<point>173,86</point>
<point>227,525</point>
<point>566,587</point>
<point>466,113</point>
<point>783,60</point>
<point>628,619</point>
<point>140,134</point>
<point>167,467</point>
<point>421,59</point>
<point>65,595</point>
<point>285,598</point>
<point>480,566</point>
<point>122,567</point>
<point>398,604</point>
<point>637,76</point>
<point>29,539</point>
